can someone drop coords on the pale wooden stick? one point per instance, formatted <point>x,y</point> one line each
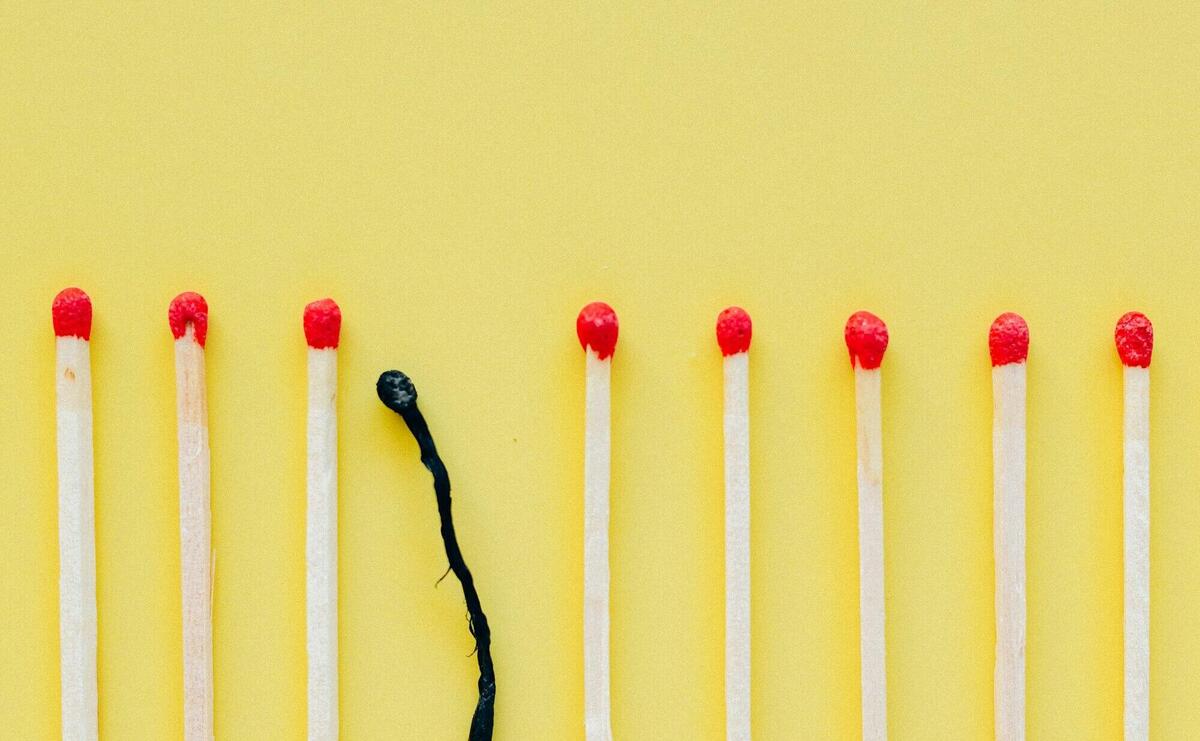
<point>870,553</point>
<point>1137,553</point>
<point>867,338</point>
<point>76,517</point>
<point>189,317</point>
<point>733,336</point>
<point>737,547</point>
<point>1135,344</point>
<point>597,330</point>
<point>322,320</point>
<point>596,473</point>
<point>1008,342</point>
<point>1008,461</point>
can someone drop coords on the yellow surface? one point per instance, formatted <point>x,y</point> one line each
<point>462,180</point>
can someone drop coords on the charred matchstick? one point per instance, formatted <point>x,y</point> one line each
<point>397,393</point>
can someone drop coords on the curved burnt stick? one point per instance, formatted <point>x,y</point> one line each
<point>397,393</point>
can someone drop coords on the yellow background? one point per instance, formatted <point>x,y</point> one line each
<point>462,179</point>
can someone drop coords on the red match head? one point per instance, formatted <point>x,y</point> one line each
<point>1008,340</point>
<point>597,328</point>
<point>1135,339</point>
<point>189,308</point>
<point>322,324</point>
<point>72,312</point>
<point>866,338</point>
<point>733,330</point>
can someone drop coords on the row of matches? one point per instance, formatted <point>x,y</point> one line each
<point>188,320</point>
<point>867,338</point>
<point>597,327</point>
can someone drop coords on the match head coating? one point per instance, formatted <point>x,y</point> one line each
<point>1135,339</point>
<point>597,328</point>
<point>72,312</point>
<point>322,324</point>
<point>866,339</point>
<point>734,330</point>
<point>396,391</point>
<point>1008,339</point>
<point>189,308</point>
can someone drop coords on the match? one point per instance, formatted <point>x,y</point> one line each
<point>322,325</point>
<point>188,317</point>
<point>733,336</point>
<point>397,392</point>
<point>867,339</point>
<point>597,329</point>
<point>1135,342</point>
<point>1008,342</point>
<point>72,315</point>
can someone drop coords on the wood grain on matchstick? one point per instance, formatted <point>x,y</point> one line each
<point>189,324</point>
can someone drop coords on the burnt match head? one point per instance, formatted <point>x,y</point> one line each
<point>597,328</point>
<point>189,308</point>
<point>1008,339</point>
<point>733,330</point>
<point>72,312</point>
<point>1135,339</point>
<point>396,391</point>
<point>322,324</point>
<point>866,339</point>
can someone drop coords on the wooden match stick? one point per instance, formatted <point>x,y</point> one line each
<point>1008,342</point>
<point>72,314</point>
<point>733,336</point>
<point>597,330</point>
<point>322,325</point>
<point>188,317</point>
<point>867,338</point>
<point>1135,342</point>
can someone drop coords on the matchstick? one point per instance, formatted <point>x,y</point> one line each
<point>733,336</point>
<point>1008,342</point>
<point>1135,342</point>
<point>72,314</point>
<point>867,338</point>
<point>398,393</point>
<point>188,317</point>
<point>597,329</point>
<point>322,325</point>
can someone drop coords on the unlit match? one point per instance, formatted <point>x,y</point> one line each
<point>733,336</point>
<point>188,317</point>
<point>322,326</point>
<point>597,329</point>
<point>72,315</point>
<point>1008,342</point>
<point>1135,343</point>
<point>867,339</point>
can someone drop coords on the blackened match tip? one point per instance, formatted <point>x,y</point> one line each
<point>396,391</point>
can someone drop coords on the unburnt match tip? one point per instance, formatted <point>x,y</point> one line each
<point>1135,339</point>
<point>597,328</point>
<point>866,339</point>
<point>396,391</point>
<point>189,308</point>
<point>72,312</point>
<point>734,330</point>
<point>322,324</point>
<point>1008,339</point>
